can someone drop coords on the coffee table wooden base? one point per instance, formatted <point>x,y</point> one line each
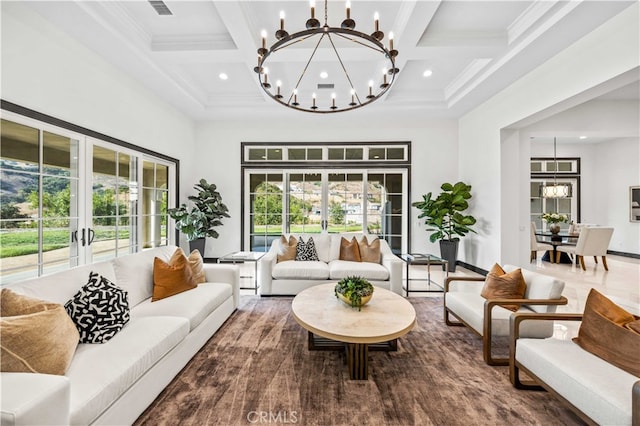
<point>357,353</point>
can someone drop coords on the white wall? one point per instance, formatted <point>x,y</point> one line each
<point>607,52</point>
<point>434,145</point>
<point>45,70</point>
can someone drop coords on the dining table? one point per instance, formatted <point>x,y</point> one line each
<point>557,239</point>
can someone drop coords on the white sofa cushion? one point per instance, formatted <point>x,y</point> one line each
<point>470,307</point>
<point>599,389</point>
<point>339,269</point>
<point>195,304</point>
<point>35,399</point>
<point>293,269</point>
<point>100,373</point>
<point>62,286</point>
<point>322,243</point>
<point>134,272</point>
<point>540,286</point>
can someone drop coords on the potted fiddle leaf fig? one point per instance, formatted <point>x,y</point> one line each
<point>444,218</point>
<point>200,221</point>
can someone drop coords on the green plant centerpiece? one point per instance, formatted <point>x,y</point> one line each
<point>443,215</point>
<point>354,290</point>
<point>206,214</point>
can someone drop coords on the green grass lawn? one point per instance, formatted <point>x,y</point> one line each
<point>22,242</point>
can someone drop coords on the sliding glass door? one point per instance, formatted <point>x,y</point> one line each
<point>68,199</point>
<point>325,201</point>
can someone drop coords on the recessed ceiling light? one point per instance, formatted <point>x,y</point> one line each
<point>324,74</point>
<point>583,137</point>
<point>223,76</point>
<point>427,73</point>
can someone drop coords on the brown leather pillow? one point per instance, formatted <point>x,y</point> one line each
<point>604,333</point>
<point>171,278</point>
<point>196,263</point>
<point>369,252</point>
<point>37,336</point>
<point>502,285</point>
<point>287,248</point>
<point>349,250</point>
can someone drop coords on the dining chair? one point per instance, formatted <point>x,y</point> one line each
<point>593,241</point>
<point>537,246</point>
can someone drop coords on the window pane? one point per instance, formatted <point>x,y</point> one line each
<point>354,154</point>
<point>148,174</point>
<point>297,154</point>
<point>162,173</point>
<point>56,197</point>
<point>257,154</point>
<point>59,155</point>
<point>336,153</point>
<point>274,154</point>
<point>536,166</point>
<point>376,153</point>
<point>395,154</point>
<point>20,146</point>
<point>124,166</point>
<point>314,154</point>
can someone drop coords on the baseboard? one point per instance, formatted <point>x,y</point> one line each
<point>472,268</point>
<point>624,254</point>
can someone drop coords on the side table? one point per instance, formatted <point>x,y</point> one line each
<point>423,259</point>
<point>244,257</point>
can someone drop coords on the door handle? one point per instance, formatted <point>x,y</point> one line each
<point>92,234</point>
<point>82,237</point>
<point>74,236</point>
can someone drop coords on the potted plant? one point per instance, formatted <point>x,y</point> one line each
<point>443,215</point>
<point>354,290</point>
<point>200,221</point>
<point>554,219</point>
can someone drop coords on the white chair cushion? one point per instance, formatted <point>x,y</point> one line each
<point>599,389</point>
<point>296,269</point>
<point>100,373</point>
<point>339,269</point>
<point>195,304</point>
<point>540,286</point>
<point>469,307</point>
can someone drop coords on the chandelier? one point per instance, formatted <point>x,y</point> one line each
<point>339,41</point>
<point>555,190</point>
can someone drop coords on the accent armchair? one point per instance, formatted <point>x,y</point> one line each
<point>593,241</point>
<point>487,318</point>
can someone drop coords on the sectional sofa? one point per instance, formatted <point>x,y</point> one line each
<point>292,276</point>
<point>114,382</point>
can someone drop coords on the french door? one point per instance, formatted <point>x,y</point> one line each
<point>68,199</point>
<point>325,201</point>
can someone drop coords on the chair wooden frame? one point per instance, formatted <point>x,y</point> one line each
<point>487,316</point>
<point>537,384</point>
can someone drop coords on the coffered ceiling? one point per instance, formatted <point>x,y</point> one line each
<point>471,48</point>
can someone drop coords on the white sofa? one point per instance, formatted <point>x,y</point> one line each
<point>290,277</point>
<point>488,319</point>
<point>597,391</point>
<point>114,382</point>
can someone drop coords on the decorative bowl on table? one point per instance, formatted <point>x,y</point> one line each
<point>354,291</point>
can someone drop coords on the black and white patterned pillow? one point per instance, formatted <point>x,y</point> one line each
<point>100,309</point>
<point>306,251</point>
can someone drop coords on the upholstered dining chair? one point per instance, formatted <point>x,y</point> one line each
<point>593,241</point>
<point>537,246</point>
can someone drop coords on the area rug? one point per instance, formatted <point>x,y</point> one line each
<point>256,369</point>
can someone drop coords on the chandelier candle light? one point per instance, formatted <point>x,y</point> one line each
<point>556,191</point>
<point>338,40</point>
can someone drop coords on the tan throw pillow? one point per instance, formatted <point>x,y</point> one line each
<point>35,336</point>
<point>171,278</point>
<point>502,285</point>
<point>370,252</point>
<point>196,263</point>
<point>287,248</point>
<point>349,250</point>
<point>604,333</point>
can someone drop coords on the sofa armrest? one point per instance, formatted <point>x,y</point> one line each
<point>30,399</point>
<point>225,273</point>
<point>265,269</point>
<point>394,265</point>
<point>635,404</point>
<point>514,332</point>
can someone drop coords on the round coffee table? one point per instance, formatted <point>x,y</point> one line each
<point>377,326</point>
